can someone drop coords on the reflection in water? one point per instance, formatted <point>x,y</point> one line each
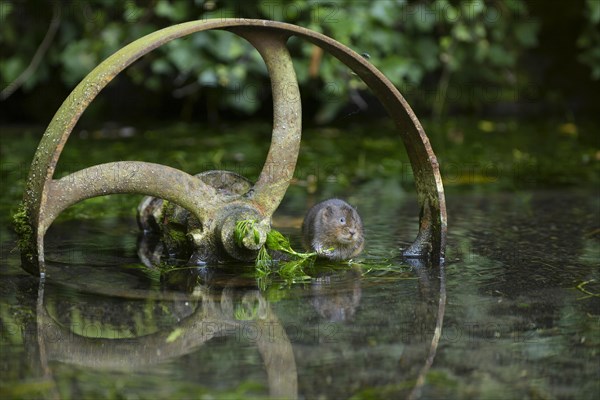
<point>515,325</point>
<point>131,338</point>
<point>337,295</point>
<point>135,330</point>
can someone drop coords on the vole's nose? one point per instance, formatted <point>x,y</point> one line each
<point>352,232</point>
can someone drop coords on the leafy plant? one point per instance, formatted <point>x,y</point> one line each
<point>589,40</point>
<point>242,228</point>
<point>417,44</point>
<point>288,264</point>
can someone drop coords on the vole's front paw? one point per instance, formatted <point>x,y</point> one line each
<point>323,252</point>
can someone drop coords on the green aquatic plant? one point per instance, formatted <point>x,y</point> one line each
<point>277,242</point>
<point>242,228</point>
<point>276,255</point>
<point>263,262</point>
<point>246,312</point>
<point>292,264</point>
<point>294,271</point>
<point>581,288</point>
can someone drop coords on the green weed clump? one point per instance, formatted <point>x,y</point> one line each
<point>277,256</point>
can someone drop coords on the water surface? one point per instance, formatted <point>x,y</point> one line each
<point>522,316</point>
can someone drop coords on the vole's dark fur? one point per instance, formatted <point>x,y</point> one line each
<point>333,229</point>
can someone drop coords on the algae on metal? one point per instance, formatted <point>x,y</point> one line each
<point>24,231</point>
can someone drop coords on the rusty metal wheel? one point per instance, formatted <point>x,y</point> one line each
<point>45,197</point>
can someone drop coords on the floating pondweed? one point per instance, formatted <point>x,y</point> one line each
<point>276,255</point>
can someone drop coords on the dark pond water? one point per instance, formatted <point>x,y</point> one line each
<point>521,281</point>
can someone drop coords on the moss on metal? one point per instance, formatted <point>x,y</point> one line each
<point>24,231</point>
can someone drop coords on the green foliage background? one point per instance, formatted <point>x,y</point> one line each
<point>437,52</point>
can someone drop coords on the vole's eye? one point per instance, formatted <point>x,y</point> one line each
<point>342,220</point>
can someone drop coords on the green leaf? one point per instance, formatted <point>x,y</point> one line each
<point>182,54</point>
<point>208,77</point>
<point>593,11</point>
<point>78,60</point>
<point>276,241</point>
<point>243,228</point>
<point>423,17</point>
<point>427,51</point>
<point>450,13</point>
<point>384,12</point>
<point>462,33</point>
<point>161,66</point>
<point>175,11</point>
<point>500,56</point>
<point>526,33</point>
<point>11,68</point>
<point>471,9</point>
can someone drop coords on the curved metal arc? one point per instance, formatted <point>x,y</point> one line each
<point>428,180</point>
<point>280,162</point>
<point>129,177</point>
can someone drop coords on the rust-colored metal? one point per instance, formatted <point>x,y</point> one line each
<point>46,197</point>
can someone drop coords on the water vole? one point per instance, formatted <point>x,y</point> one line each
<point>333,229</point>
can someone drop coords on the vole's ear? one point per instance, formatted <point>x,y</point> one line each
<point>347,210</point>
<point>328,212</point>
